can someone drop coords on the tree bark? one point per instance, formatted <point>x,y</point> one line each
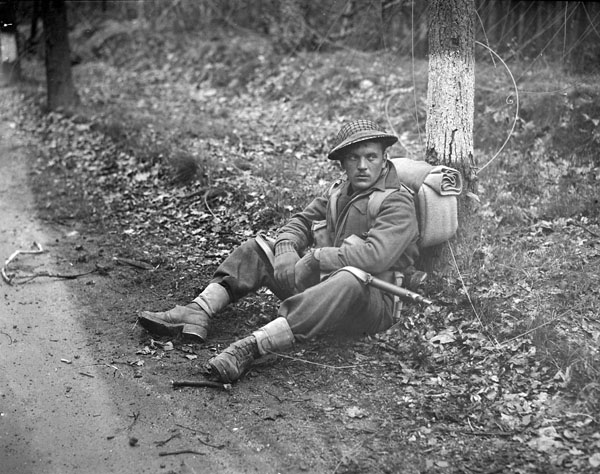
<point>450,98</point>
<point>35,16</point>
<point>61,92</point>
<point>10,69</point>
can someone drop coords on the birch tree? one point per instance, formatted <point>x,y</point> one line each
<point>450,95</point>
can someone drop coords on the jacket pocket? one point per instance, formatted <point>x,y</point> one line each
<point>321,237</point>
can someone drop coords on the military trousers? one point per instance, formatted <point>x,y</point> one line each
<point>339,304</point>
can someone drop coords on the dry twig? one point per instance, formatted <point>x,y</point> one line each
<point>66,276</point>
<point>14,255</point>
<point>216,446</point>
<point>200,383</point>
<point>162,443</point>
<point>133,263</point>
<point>183,451</point>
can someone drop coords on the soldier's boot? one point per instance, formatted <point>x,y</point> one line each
<point>191,321</point>
<point>231,364</point>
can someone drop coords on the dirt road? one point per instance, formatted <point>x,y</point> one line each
<point>58,413</point>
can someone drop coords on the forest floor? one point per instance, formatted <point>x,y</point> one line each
<point>184,148</point>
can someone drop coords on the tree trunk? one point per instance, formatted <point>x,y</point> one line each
<point>367,25</point>
<point>288,27</point>
<point>450,98</point>
<point>10,70</point>
<point>35,16</point>
<point>61,92</point>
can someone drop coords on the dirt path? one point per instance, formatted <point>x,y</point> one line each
<point>59,414</point>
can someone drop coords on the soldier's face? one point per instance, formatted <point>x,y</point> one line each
<point>363,163</point>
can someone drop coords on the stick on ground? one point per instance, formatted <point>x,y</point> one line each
<point>200,383</point>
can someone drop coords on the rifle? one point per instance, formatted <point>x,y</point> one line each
<point>382,285</point>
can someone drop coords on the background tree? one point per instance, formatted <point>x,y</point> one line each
<point>61,91</point>
<point>288,27</point>
<point>450,95</point>
<point>35,16</point>
<point>10,70</point>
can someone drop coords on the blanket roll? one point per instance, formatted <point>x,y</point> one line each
<point>413,173</point>
<point>438,216</point>
<point>445,181</point>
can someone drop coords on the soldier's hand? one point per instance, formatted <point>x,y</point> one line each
<point>284,269</point>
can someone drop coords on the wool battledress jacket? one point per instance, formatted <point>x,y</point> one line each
<point>379,245</point>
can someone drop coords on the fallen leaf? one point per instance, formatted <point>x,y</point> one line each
<point>444,337</point>
<point>356,412</point>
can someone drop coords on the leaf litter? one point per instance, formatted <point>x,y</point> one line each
<point>443,376</point>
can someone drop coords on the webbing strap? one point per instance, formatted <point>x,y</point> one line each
<point>374,204</point>
<point>333,199</point>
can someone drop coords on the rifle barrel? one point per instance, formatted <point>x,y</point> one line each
<point>398,291</point>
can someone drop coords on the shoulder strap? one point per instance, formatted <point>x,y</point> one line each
<point>334,194</point>
<point>374,204</point>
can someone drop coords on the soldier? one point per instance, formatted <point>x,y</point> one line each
<point>305,266</point>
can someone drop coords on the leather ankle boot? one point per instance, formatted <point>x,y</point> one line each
<point>230,364</point>
<point>189,321</point>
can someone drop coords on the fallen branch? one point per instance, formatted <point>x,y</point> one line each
<point>65,276</point>
<point>24,279</point>
<point>183,451</point>
<point>162,443</point>
<point>216,446</point>
<point>14,255</point>
<point>133,263</point>
<point>200,383</point>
